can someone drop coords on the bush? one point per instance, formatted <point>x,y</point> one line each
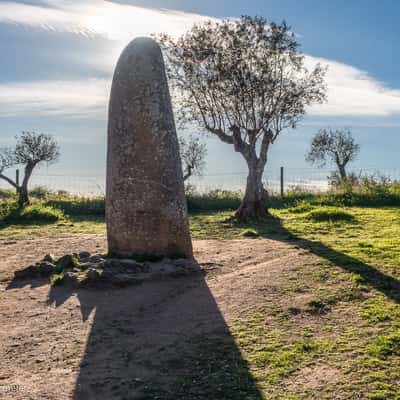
<point>33,214</point>
<point>40,192</point>
<point>7,194</point>
<point>370,191</point>
<point>302,207</point>
<point>40,213</point>
<point>215,200</point>
<point>292,199</point>
<point>330,215</point>
<point>6,208</point>
<point>73,205</point>
<point>367,191</point>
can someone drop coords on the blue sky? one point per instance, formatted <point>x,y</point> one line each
<point>58,58</point>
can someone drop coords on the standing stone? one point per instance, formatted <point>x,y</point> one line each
<point>146,210</point>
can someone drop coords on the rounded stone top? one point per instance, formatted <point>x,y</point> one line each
<point>142,58</point>
<point>144,46</point>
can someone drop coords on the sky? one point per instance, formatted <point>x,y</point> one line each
<point>58,56</point>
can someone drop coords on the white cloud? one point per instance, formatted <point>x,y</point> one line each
<point>351,92</point>
<point>70,98</point>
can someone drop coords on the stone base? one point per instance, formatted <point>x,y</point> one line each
<point>98,270</point>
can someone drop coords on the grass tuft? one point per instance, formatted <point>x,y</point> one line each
<point>250,233</point>
<point>57,279</point>
<point>385,346</point>
<point>330,215</point>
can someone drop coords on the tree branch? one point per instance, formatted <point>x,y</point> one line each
<point>221,134</point>
<point>10,181</point>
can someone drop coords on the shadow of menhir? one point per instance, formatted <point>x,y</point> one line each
<point>159,340</point>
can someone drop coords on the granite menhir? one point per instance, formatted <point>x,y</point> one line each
<point>146,210</point>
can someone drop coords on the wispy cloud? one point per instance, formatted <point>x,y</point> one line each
<point>67,98</point>
<point>351,91</point>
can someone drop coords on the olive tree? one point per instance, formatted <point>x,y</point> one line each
<point>337,146</point>
<point>193,152</point>
<point>30,150</point>
<point>245,82</point>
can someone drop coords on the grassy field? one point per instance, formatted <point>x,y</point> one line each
<point>353,287</point>
<point>348,327</point>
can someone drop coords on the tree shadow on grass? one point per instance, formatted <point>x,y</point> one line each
<point>162,339</point>
<point>272,228</point>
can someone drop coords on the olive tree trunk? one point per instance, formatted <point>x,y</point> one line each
<point>342,172</point>
<point>23,196</point>
<point>22,190</point>
<point>255,200</point>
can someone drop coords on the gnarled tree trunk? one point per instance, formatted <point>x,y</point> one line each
<point>342,172</point>
<point>255,200</point>
<point>23,196</point>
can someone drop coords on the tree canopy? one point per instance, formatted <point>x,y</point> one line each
<point>193,152</point>
<point>337,146</point>
<point>244,81</point>
<point>30,150</point>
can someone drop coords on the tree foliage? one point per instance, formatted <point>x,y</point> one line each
<point>336,146</point>
<point>193,152</point>
<point>244,81</point>
<point>33,148</point>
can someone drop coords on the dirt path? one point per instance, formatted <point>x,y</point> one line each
<point>56,343</point>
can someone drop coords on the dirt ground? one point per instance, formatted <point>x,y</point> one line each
<point>60,343</point>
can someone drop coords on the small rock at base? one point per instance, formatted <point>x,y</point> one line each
<point>83,255</point>
<point>49,258</point>
<point>96,258</point>
<point>67,261</point>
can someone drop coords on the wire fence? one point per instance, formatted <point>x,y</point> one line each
<point>288,179</point>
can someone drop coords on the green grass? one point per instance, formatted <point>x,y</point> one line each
<point>353,286</point>
<point>249,233</point>
<point>349,320</point>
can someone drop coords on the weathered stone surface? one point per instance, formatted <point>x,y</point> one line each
<point>146,209</point>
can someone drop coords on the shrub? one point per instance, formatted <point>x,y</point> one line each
<point>36,213</point>
<point>302,207</point>
<point>7,194</point>
<point>215,200</point>
<point>40,213</point>
<point>73,205</point>
<point>40,192</point>
<point>292,199</point>
<point>6,208</point>
<point>329,215</point>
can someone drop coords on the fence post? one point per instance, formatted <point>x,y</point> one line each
<point>282,183</point>
<point>17,177</point>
